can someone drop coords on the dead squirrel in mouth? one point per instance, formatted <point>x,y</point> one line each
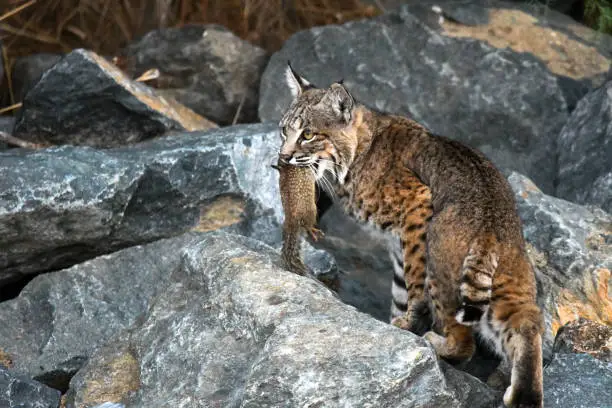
<point>298,197</point>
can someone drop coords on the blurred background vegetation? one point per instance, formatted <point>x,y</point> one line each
<point>106,26</point>
<point>598,15</point>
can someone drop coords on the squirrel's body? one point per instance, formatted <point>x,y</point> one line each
<point>298,198</point>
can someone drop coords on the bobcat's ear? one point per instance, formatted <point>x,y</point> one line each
<point>296,83</point>
<point>342,101</point>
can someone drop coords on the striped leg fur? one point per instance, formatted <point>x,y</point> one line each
<point>456,341</point>
<point>477,274</point>
<point>409,308</point>
<point>399,294</point>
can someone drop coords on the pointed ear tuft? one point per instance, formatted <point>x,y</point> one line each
<point>296,83</point>
<point>342,101</point>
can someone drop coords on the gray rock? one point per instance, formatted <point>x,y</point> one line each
<point>113,199</point>
<point>85,100</point>
<point>577,381</point>
<point>451,77</point>
<point>571,247</point>
<point>321,263</point>
<point>51,329</point>
<point>232,329</point>
<point>59,318</point>
<point>64,205</point>
<point>17,391</point>
<point>205,67</point>
<point>585,151</point>
<point>28,70</point>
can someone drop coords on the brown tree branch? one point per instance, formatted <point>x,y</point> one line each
<point>12,140</point>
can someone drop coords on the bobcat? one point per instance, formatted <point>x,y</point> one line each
<point>451,209</point>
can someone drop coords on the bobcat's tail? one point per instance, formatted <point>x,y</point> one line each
<point>477,273</point>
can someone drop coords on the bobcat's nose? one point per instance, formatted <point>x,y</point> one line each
<point>285,157</point>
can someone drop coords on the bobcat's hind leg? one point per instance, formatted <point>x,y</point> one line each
<point>525,390</point>
<point>521,338</point>
<point>456,343</point>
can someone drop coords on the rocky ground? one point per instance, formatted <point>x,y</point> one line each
<point>139,261</point>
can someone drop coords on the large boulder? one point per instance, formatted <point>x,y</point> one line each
<point>59,318</point>
<point>577,381</point>
<point>50,330</point>
<point>61,206</point>
<point>232,329</point>
<point>205,67</point>
<point>17,391</point>
<point>85,100</point>
<point>585,151</point>
<point>571,248</point>
<point>487,76</point>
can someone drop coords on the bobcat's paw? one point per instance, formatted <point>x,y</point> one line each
<point>437,341</point>
<point>510,397</point>
<point>402,322</point>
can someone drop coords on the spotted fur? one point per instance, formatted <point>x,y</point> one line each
<point>451,209</point>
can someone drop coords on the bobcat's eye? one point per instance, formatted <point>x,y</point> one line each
<point>307,134</point>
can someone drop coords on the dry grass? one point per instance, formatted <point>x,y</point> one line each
<point>105,26</point>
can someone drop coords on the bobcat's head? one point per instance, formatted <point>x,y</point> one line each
<point>319,129</point>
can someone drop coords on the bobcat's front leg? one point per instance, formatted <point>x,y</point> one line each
<point>415,318</point>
